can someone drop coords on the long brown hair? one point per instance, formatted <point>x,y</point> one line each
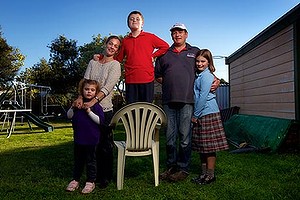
<point>207,54</point>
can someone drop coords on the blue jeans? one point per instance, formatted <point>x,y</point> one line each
<point>179,127</point>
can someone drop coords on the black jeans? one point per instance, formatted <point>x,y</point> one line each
<point>104,151</point>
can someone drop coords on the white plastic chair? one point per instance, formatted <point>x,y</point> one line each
<point>142,122</point>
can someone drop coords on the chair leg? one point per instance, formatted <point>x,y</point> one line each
<point>120,168</point>
<point>155,154</point>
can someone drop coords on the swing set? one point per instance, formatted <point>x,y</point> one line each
<point>13,103</point>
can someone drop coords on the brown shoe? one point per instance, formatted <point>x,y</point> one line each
<point>165,175</point>
<point>178,176</point>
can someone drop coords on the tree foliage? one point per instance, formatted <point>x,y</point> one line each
<point>87,51</point>
<point>61,72</point>
<point>37,74</point>
<point>63,64</point>
<point>11,60</point>
<point>222,81</point>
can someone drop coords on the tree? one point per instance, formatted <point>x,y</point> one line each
<point>11,60</point>
<point>61,72</point>
<point>222,81</point>
<point>64,66</point>
<point>88,50</point>
<point>38,74</point>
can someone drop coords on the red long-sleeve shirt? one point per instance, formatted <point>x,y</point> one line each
<point>138,53</point>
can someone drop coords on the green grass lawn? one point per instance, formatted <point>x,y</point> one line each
<point>38,165</point>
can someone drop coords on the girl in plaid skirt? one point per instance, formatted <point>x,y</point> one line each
<point>208,133</point>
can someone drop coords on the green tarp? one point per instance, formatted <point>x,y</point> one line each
<point>258,131</point>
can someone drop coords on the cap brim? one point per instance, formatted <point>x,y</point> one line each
<point>177,28</point>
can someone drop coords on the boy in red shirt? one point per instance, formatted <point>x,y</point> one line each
<point>139,49</point>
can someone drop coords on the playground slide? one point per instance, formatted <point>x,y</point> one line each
<point>32,118</point>
<point>38,122</point>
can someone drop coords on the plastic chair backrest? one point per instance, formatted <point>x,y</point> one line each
<point>139,120</point>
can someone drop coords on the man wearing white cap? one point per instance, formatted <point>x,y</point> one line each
<point>176,71</point>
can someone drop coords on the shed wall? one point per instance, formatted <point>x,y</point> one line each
<point>262,80</point>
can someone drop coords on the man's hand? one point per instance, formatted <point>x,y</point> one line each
<point>215,84</point>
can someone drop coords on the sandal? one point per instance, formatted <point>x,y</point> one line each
<point>199,178</point>
<point>208,180</point>
<point>88,188</point>
<point>73,185</point>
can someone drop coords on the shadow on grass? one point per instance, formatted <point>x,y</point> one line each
<point>37,162</point>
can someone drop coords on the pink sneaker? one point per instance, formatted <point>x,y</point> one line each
<point>73,185</point>
<point>88,188</point>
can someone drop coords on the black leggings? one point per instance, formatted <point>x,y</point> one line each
<point>84,156</point>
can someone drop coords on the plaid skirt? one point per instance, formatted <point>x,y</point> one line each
<point>208,134</point>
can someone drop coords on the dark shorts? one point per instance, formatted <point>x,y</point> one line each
<point>143,92</point>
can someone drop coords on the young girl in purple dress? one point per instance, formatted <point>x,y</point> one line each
<point>86,127</point>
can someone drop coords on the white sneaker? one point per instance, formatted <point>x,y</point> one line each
<point>88,188</point>
<point>73,185</point>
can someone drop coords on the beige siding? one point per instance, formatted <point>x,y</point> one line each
<point>262,80</point>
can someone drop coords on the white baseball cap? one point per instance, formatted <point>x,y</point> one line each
<point>178,26</point>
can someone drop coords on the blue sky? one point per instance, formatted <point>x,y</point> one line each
<point>222,26</point>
